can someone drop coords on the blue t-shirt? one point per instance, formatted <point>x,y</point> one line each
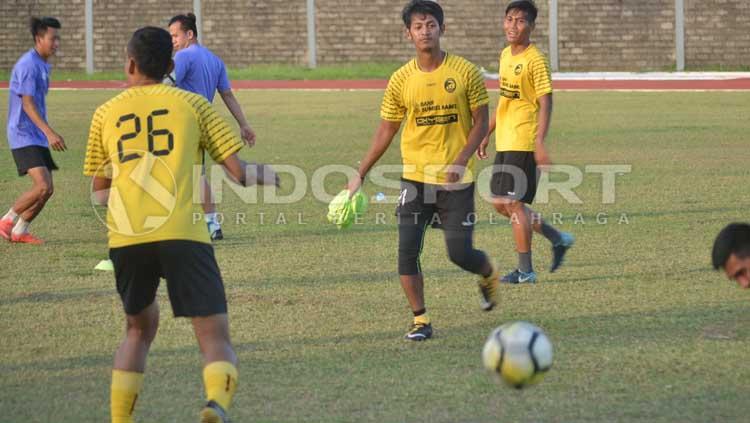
<point>30,77</point>
<point>200,71</point>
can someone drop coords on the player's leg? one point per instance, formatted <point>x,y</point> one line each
<point>30,204</point>
<point>457,219</point>
<point>209,207</point>
<point>561,241</point>
<point>130,362</point>
<point>220,365</point>
<point>410,242</point>
<point>196,290</point>
<point>411,214</point>
<point>513,184</point>
<point>137,275</point>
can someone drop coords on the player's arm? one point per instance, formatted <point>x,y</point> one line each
<point>482,149</point>
<point>247,133</point>
<point>100,190</point>
<point>55,140</point>
<point>545,116</point>
<point>380,142</point>
<point>477,134</point>
<point>247,174</point>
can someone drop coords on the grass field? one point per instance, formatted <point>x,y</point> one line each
<point>644,330</point>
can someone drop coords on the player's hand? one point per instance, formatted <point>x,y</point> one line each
<point>56,142</point>
<point>482,150</point>
<point>455,172</point>
<point>355,182</point>
<point>542,157</point>
<point>267,176</point>
<point>248,135</point>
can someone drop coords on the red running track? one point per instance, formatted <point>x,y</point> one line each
<point>377,84</point>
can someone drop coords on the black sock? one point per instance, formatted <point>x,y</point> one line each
<point>524,262</point>
<point>552,234</point>
<point>419,312</point>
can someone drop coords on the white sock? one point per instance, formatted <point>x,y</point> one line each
<point>21,227</point>
<point>211,218</point>
<point>11,215</point>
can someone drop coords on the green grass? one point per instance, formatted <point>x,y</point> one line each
<point>292,72</point>
<point>643,329</point>
<point>255,72</point>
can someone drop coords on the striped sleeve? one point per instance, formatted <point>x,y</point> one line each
<point>393,108</point>
<point>217,137</point>
<point>96,162</point>
<point>541,76</point>
<point>476,90</point>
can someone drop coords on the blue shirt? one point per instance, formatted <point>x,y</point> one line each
<point>30,77</point>
<point>200,71</point>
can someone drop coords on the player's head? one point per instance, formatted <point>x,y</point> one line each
<point>519,21</point>
<point>46,35</point>
<point>149,54</point>
<point>731,252</point>
<point>184,31</point>
<point>423,21</point>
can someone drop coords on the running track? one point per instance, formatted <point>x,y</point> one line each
<point>588,84</point>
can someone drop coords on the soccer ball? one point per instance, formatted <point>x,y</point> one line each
<point>519,353</point>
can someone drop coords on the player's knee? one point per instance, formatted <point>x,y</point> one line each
<point>142,331</point>
<point>408,261</point>
<point>44,191</point>
<point>500,207</point>
<point>458,255</point>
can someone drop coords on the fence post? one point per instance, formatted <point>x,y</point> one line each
<point>554,58</point>
<point>312,54</point>
<point>89,25</point>
<point>679,33</point>
<point>198,19</point>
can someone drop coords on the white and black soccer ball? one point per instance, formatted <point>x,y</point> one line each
<point>519,353</point>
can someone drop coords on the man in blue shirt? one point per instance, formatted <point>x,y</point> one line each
<point>199,70</point>
<point>29,134</point>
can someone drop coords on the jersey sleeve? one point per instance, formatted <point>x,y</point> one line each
<point>393,108</point>
<point>217,137</point>
<point>223,80</point>
<point>541,76</point>
<point>181,66</point>
<point>96,162</point>
<point>23,81</point>
<point>476,90</point>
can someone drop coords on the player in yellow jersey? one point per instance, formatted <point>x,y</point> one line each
<point>521,124</point>
<point>442,100</point>
<point>143,146</point>
<point>731,253</point>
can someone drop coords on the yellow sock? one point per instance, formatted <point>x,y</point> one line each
<point>124,394</point>
<point>220,381</point>
<point>422,318</point>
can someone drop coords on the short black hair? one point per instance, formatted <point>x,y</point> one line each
<point>151,48</point>
<point>187,23</point>
<point>38,26</point>
<point>733,239</point>
<point>424,7</point>
<point>526,6</point>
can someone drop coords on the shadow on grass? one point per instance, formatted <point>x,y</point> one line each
<point>54,297</point>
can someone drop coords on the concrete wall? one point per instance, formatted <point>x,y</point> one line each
<point>633,35</point>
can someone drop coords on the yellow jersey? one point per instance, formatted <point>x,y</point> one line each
<point>523,79</point>
<point>149,141</point>
<point>437,106</point>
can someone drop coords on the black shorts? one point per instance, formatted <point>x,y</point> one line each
<point>193,279</point>
<point>514,175</point>
<point>32,156</point>
<point>428,204</point>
